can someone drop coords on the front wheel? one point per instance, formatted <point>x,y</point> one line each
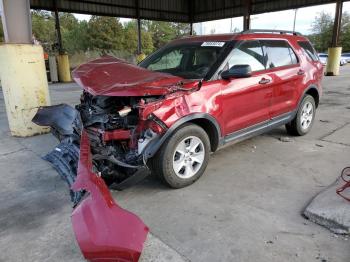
<point>304,119</point>
<point>183,158</point>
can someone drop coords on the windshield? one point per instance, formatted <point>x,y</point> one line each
<point>189,61</point>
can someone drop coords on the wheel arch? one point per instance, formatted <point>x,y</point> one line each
<point>212,130</point>
<point>312,91</point>
<point>204,120</point>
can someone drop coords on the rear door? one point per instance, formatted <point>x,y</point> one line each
<point>283,67</point>
<point>313,65</point>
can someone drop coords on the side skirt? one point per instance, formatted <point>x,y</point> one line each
<point>258,129</point>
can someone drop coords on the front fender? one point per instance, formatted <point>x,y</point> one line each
<point>155,145</point>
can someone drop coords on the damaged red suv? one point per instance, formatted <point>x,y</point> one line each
<point>188,99</point>
<point>166,115</point>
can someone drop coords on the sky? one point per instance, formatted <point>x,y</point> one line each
<point>282,20</point>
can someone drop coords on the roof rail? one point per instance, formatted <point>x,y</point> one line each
<point>252,31</point>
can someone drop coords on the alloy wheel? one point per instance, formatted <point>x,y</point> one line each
<point>188,157</point>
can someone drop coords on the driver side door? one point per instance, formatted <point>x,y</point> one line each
<point>246,101</point>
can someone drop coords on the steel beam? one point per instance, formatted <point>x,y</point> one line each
<point>247,13</point>
<point>191,14</point>
<point>58,30</point>
<point>337,23</point>
<point>16,21</point>
<point>139,40</point>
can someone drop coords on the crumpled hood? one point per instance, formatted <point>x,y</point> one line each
<point>115,77</point>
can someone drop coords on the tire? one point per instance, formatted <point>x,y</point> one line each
<point>169,158</point>
<point>303,121</point>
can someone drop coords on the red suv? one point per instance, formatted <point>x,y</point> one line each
<point>188,99</point>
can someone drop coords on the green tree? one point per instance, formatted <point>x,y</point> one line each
<point>68,21</point>
<point>74,33</point>
<point>43,26</point>
<point>322,28</point>
<point>130,39</point>
<point>322,31</point>
<point>162,32</point>
<point>77,38</point>
<point>105,33</point>
<point>181,29</point>
<point>345,32</point>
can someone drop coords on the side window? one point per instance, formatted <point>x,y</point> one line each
<point>248,53</point>
<point>168,61</point>
<point>279,53</point>
<point>308,50</point>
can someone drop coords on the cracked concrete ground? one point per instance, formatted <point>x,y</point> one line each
<point>246,207</point>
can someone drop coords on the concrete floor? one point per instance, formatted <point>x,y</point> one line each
<point>246,207</point>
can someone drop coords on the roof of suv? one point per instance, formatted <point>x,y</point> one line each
<point>240,36</point>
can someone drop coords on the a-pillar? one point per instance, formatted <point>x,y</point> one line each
<point>22,69</point>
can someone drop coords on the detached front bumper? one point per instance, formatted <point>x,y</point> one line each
<point>104,230</point>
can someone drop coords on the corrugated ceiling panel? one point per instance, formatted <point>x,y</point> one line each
<point>120,8</point>
<point>173,10</point>
<point>212,10</point>
<point>263,6</point>
<point>168,10</point>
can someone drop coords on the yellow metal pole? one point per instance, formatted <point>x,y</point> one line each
<point>140,57</point>
<point>63,68</point>
<point>334,52</point>
<point>333,61</point>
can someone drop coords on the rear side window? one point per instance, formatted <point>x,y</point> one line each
<point>279,53</point>
<point>308,50</point>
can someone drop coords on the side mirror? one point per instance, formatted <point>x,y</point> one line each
<point>237,71</point>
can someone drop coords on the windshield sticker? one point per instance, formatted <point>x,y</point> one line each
<point>218,44</point>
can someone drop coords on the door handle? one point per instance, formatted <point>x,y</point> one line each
<point>301,72</point>
<point>264,81</point>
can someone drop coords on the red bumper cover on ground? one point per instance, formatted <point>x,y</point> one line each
<point>104,231</point>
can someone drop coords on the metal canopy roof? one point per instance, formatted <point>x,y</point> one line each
<point>187,11</point>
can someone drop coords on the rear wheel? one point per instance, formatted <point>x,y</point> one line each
<point>304,119</point>
<point>183,158</point>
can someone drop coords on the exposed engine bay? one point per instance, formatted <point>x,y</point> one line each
<point>118,133</point>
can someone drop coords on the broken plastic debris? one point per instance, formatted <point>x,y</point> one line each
<point>285,139</point>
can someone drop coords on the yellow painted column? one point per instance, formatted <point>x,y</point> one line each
<point>24,85</point>
<point>333,61</point>
<point>140,57</point>
<point>63,68</point>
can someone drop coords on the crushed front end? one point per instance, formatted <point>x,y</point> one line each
<point>119,133</point>
<point>119,130</point>
<point>105,142</point>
